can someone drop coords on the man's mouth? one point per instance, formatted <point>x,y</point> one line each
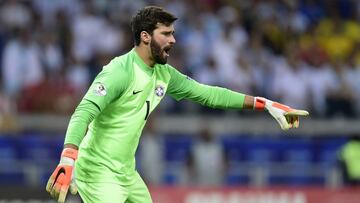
<point>167,50</point>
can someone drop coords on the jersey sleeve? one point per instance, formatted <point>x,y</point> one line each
<point>183,87</point>
<point>108,85</point>
<point>82,117</point>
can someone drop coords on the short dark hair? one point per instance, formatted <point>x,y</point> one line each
<point>147,19</point>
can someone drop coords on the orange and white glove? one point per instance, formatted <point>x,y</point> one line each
<point>286,116</point>
<point>62,178</point>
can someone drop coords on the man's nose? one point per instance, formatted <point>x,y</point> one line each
<point>172,40</point>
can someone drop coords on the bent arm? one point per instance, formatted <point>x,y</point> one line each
<point>108,85</point>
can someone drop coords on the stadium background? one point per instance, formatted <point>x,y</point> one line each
<point>304,53</point>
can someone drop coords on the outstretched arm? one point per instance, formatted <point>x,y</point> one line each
<point>181,87</point>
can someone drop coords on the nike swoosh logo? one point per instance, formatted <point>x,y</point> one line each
<point>135,92</point>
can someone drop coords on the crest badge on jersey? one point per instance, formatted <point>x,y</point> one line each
<point>99,89</point>
<point>159,91</point>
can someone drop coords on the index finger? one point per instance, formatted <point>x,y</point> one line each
<point>297,112</point>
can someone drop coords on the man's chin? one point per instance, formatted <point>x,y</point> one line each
<point>161,61</point>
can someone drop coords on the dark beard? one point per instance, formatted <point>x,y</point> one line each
<point>156,53</point>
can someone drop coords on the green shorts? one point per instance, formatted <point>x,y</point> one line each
<point>114,193</point>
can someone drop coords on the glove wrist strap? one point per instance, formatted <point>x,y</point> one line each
<point>66,161</point>
<point>259,103</point>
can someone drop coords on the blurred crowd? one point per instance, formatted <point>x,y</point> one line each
<point>304,53</point>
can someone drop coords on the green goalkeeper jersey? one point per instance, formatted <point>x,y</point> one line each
<point>123,95</point>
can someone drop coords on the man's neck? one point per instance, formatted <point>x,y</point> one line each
<point>144,54</point>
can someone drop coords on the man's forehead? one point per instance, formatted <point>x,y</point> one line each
<point>163,27</point>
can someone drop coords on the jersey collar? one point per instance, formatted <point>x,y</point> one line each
<point>141,63</point>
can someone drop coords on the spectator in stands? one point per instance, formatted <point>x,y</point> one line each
<point>21,63</point>
<point>52,58</point>
<point>340,95</point>
<point>260,59</point>
<point>290,70</point>
<point>208,73</point>
<point>86,29</point>
<point>64,33</point>
<point>350,157</point>
<point>14,14</point>
<point>224,47</point>
<point>353,75</point>
<point>320,81</point>
<point>208,160</point>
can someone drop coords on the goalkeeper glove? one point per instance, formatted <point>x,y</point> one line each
<point>286,117</point>
<point>62,178</point>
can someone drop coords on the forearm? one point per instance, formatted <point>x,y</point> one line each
<point>182,87</point>
<point>82,117</point>
<point>217,97</point>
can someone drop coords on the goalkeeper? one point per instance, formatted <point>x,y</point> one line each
<point>105,129</point>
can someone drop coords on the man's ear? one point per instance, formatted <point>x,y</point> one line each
<point>145,37</point>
